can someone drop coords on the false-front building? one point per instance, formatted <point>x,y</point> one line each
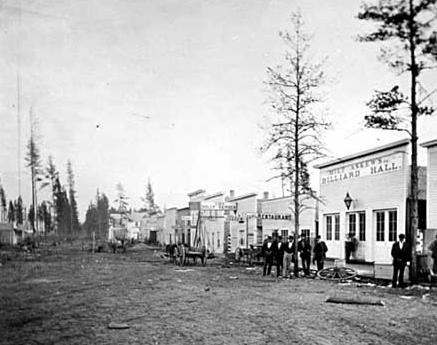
<point>367,194</point>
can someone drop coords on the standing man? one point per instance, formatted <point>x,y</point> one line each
<point>320,250</point>
<point>268,252</point>
<point>288,256</point>
<point>280,246</point>
<point>400,252</point>
<point>351,245</point>
<point>432,251</point>
<point>304,248</point>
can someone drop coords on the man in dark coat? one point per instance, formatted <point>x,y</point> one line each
<point>304,248</point>
<point>279,249</point>
<point>319,250</point>
<point>268,251</point>
<point>401,253</point>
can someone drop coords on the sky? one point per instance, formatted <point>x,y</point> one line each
<point>172,91</point>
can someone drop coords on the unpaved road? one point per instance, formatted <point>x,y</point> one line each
<point>67,296</point>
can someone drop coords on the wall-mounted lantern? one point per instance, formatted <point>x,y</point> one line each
<point>348,200</point>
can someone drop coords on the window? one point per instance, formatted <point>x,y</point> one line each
<point>392,225</point>
<point>337,227</point>
<point>386,220</point>
<point>362,226</point>
<point>352,223</point>
<point>213,242</point>
<point>218,240</point>
<point>329,228</point>
<point>380,225</point>
<point>332,222</point>
<point>357,224</point>
<point>284,234</point>
<point>305,232</point>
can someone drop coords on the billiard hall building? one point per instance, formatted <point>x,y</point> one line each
<point>368,194</point>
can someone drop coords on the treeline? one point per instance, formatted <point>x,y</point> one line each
<point>97,217</point>
<point>59,215</point>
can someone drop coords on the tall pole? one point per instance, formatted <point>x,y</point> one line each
<point>414,178</point>
<point>247,230</point>
<point>18,132</point>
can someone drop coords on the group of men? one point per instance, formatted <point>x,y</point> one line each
<point>284,255</point>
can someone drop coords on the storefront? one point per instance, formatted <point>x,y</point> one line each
<point>366,195</point>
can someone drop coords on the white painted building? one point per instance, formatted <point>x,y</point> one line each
<point>431,188</point>
<point>170,226</point>
<point>377,181</point>
<point>277,217</point>
<point>243,223</point>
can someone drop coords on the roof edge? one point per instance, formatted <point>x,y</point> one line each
<point>244,196</point>
<point>429,143</point>
<point>196,192</point>
<point>210,196</point>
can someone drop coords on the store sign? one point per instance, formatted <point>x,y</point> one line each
<point>365,167</point>
<point>218,205</point>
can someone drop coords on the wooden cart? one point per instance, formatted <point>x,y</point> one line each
<point>120,240</point>
<point>198,250</point>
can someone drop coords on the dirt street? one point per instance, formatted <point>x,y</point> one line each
<point>68,296</point>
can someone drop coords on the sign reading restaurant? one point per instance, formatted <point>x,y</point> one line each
<point>365,167</point>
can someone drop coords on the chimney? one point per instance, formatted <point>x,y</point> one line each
<point>266,195</point>
<point>232,193</point>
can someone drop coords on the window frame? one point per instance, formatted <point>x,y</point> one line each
<point>332,226</point>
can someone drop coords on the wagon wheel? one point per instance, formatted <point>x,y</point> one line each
<point>204,256</point>
<point>182,256</point>
<point>337,273</point>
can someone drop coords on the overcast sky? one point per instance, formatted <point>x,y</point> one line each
<point>171,90</point>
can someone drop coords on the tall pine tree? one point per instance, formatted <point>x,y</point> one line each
<point>408,27</point>
<point>72,198</point>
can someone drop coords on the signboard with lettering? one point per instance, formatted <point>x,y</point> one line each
<point>206,205</point>
<point>366,167</point>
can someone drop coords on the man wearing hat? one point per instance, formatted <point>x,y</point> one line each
<point>304,248</point>
<point>288,256</point>
<point>268,251</point>
<point>319,250</point>
<point>400,252</point>
<point>279,253</point>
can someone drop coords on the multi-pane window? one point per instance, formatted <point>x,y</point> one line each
<point>357,224</point>
<point>305,232</point>
<point>392,225</point>
<point>380,226</point>
<point>362,226</point>
<point>332,222</point>
<point>386,225</point>
<point>284,234</point>
<point>352,223</point>
<point>337,227</point>
<point>329,228</point>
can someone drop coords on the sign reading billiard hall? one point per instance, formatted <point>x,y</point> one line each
<point>365,167</point>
